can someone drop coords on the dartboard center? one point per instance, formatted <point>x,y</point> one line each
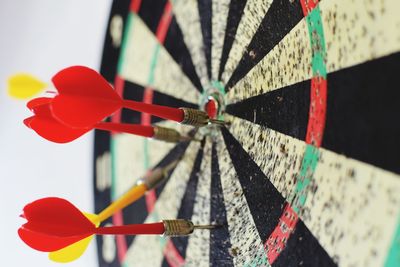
<point>212,100</point>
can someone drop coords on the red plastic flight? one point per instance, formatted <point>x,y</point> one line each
<point>44,124</point>
<point>54,223</point>
<point>86,98</point>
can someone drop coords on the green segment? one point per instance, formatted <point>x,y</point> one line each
<point>260,260</point>
<point>317,39</point>
<point>308,166</point>
<point>153,65</point>
<point>129,24</point>
<point>393,258</point>
<point>146,160</point>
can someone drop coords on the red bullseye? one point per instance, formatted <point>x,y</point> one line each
<point>212,108</point>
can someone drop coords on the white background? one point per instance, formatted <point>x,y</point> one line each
<point>42,37</point>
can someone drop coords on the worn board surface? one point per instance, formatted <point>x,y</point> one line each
<point>308,171</point>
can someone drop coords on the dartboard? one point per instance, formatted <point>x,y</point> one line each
<point>305,171</point>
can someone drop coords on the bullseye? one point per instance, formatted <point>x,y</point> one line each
<point>211,108</point>
<point>212,100</point>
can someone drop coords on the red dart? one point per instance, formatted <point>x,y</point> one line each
<point>44,123</point>
<point>86,98</point>
<point>54,223</point>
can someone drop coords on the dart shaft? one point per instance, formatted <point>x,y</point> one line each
<point>177,227</point>
<point>163,112</point>
<point>132,195</point>
<point>142,130</point>
<point>133,229</point>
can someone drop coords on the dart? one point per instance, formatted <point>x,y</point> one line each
<point>85,98</point>
<point>148,182</point>
<point>44,124</point>
<point>24,86</point>
<point>55,223</point>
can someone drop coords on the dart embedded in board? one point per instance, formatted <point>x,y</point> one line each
<point>54,224</point>
<point>46,125</point>
<point>85,98</point>
<point>55,213</point>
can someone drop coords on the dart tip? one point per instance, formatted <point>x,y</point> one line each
<point>218,122</point>
<point>188,139</point>
<point>207,226</point>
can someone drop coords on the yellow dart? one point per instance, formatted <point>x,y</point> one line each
<point>24,86</point>
<point>147,183</point>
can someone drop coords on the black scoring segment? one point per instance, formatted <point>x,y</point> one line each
<point>265,202</point>
<point>303,249</point>
<point>205,11</point>
<point>236,9</point>
<point>281,17</point>
<point>137,212</point>
<point>363,113</point>
<point>135,92</point>
<point>285,110</point>
<point>220,243</point>
<point>151,12</point>
<point>112,43</point>
<point>187,204</point>
<point>176,47</point>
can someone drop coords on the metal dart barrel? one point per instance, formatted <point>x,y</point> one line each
<point>181,227</point>
<point>198,118</point>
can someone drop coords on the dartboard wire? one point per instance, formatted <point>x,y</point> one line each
<point>151,250</point>
<point>220,10</point>
<point>253,14</point>
<point>347,44</point>
<point>187,16</point>
<point>166,74</point>
<point>338,208</point>
<point>247,246</point>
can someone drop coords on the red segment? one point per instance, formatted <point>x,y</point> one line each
<point>164,23</point>
<point>308,5</point>
<point>135,6</point>
<point>277,240</point>
<point>211,108</point>
<point>317,114</point>
<point>147,98</point>
<point>118,219</point>
<point>161,33</point>
<point>172,255</point>
<point>151,199</point>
